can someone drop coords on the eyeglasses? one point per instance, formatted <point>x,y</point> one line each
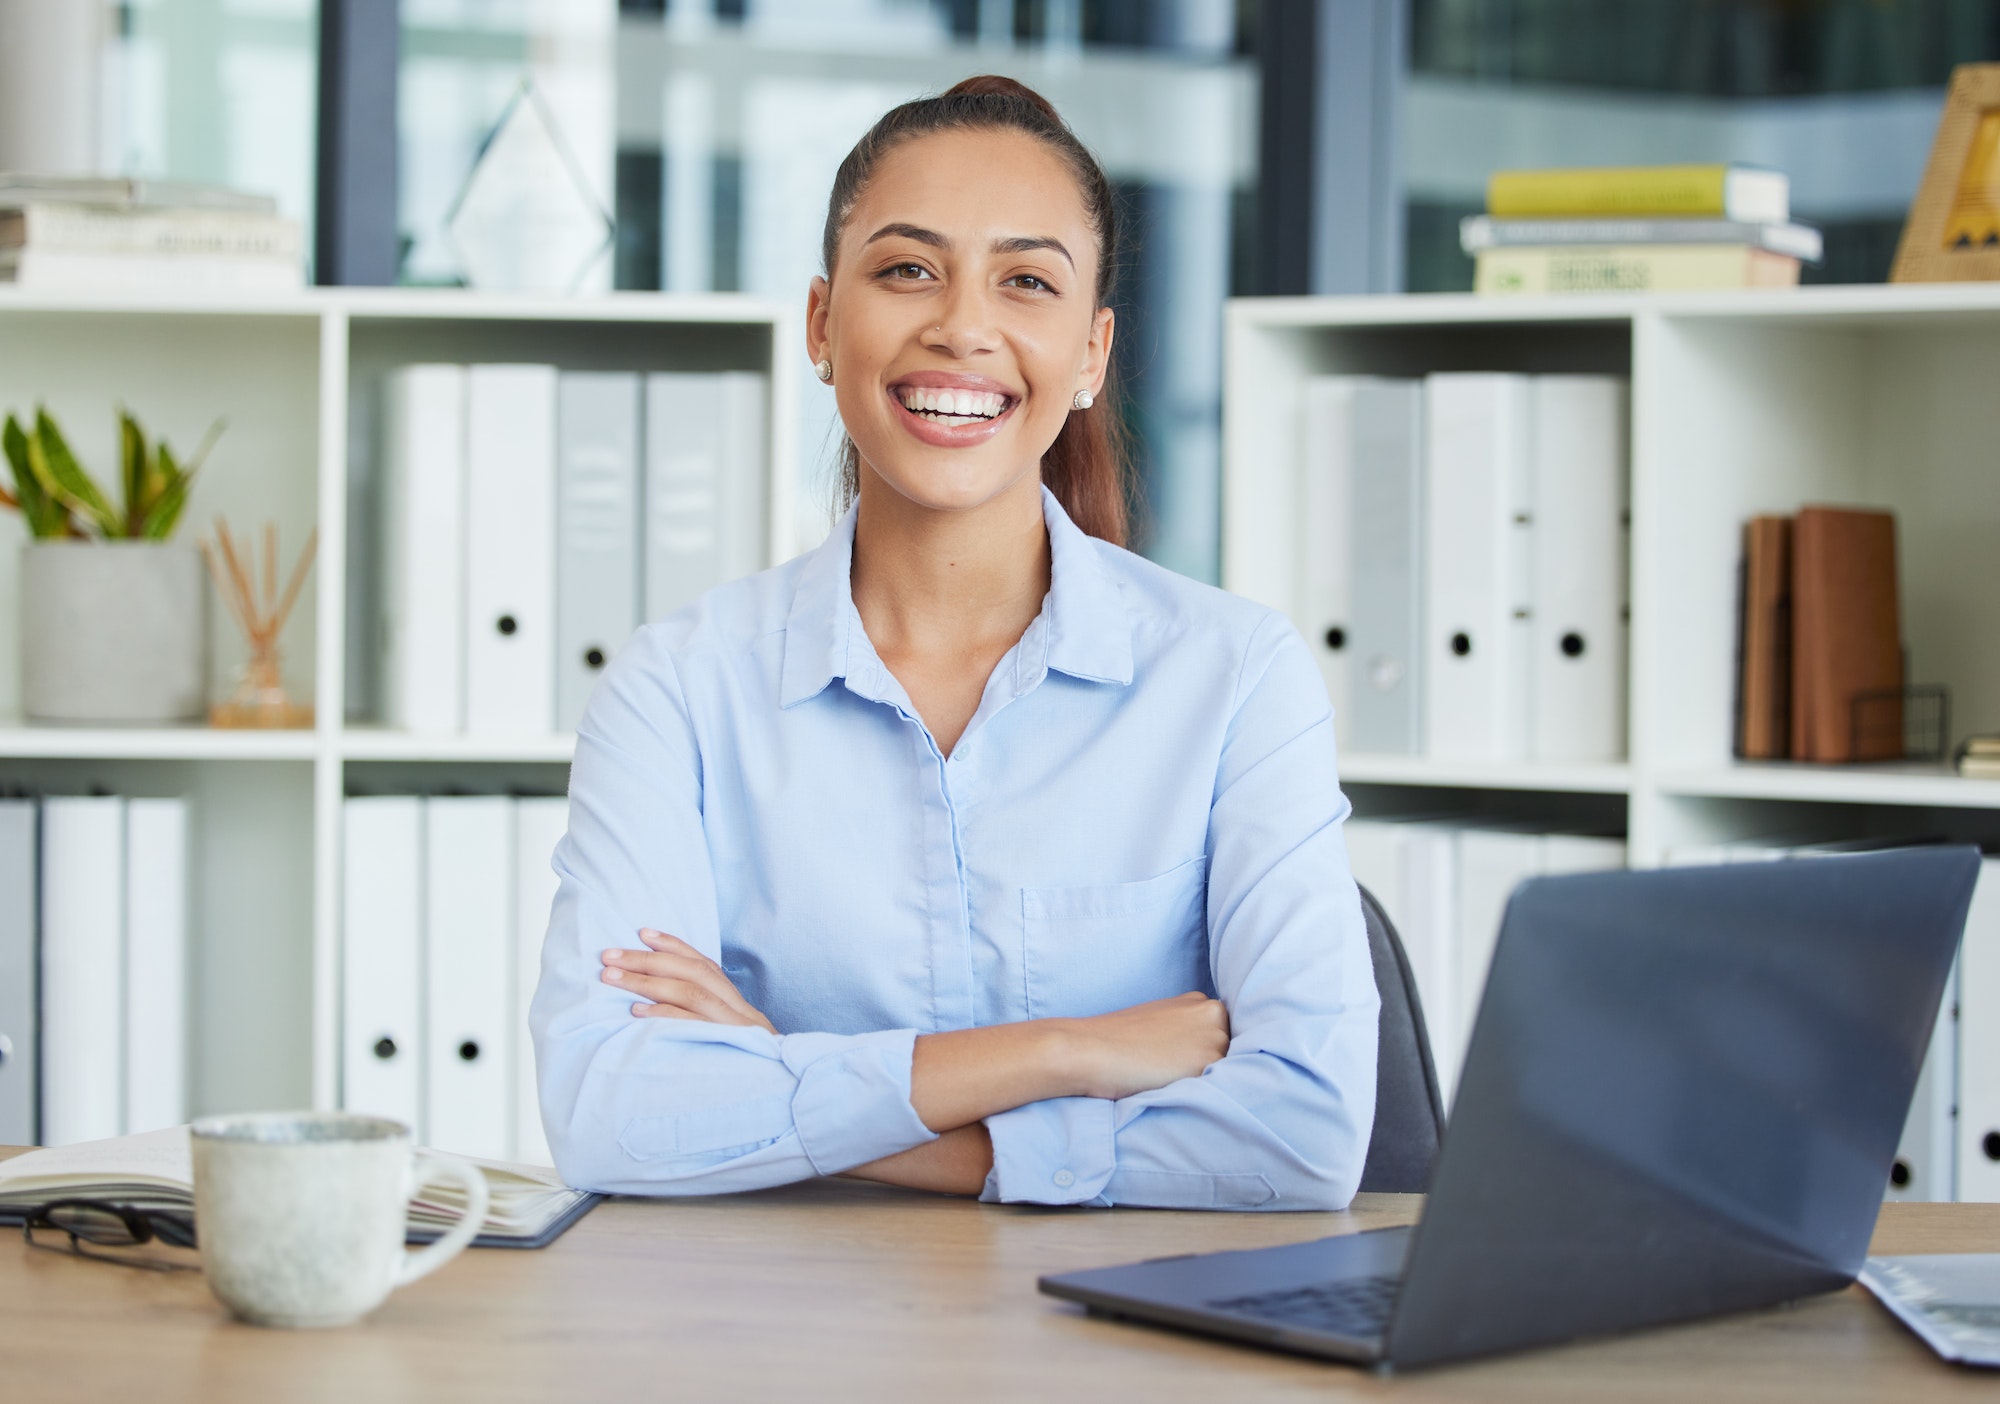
<point>112,1233</point>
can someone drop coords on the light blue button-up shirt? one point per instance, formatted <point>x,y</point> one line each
<point>1145,803</point>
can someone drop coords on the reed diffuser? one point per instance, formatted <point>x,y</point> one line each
<point>259,698</point>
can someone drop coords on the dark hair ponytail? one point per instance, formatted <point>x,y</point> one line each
<point>1086,467</point>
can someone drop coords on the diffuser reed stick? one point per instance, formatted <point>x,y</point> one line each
<point>259,699</point>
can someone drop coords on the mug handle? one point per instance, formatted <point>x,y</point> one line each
<point>428,1259</point>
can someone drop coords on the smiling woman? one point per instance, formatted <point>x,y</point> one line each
<point>968,852</point>
<point>1085,462</point>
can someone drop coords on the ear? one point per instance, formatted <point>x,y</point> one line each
<point>1097,352</point>
<point>818,342</point>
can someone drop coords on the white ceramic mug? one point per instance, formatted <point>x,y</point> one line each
<point>301,1215</point>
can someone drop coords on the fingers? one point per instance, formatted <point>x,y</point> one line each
<point>661,941</point>
<point>695,1000</point>
<point>677,980</point>
<point>672,973</point>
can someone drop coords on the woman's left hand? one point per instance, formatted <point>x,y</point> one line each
<point>678,982</point>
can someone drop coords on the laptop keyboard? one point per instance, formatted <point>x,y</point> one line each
<point>1357,1307</point>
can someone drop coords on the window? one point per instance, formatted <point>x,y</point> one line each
<point>712,131</point>
<point>1842,95</point>
<point>214,90</point>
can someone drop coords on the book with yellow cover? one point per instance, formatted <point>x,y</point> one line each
<point>1748,194</point>
<point>1568,268</point>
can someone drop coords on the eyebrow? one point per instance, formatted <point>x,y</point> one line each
<point>1024,244</point>
<point>1020,243</point>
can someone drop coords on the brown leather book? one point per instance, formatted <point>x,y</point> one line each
<point>1765,724</point>
<point>1847,644</point>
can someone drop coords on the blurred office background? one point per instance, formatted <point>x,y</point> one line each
<point>1262,145</point>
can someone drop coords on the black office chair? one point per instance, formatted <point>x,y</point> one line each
<point>1409,1112</point>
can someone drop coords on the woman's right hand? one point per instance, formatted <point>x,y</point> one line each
<point>965,1075</point>
<point>1147,1046</point>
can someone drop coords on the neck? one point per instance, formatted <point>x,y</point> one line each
<point>926,581</point>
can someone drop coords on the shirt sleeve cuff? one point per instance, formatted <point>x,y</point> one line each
<point>1056,1152</point>
<point>853,1099</point>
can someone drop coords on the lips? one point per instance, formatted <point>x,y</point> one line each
<point>947,410</point>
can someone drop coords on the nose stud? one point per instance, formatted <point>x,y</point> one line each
<point>824,370</point>
<point>1083,400</point>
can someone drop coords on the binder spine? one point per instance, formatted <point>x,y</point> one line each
<point>510,550</point>
<point>1478,594</point>
<point>1979,1042</point>
<point>1325,549</point>
<point>382,967</point>
<point>1387,678</point>
<point>683,506</point>
<point>469,975</point>
<point>83,969</point>
<point>423,561</point>
<point>597,553</point>
<point>1581,533</point>
<point>156,964</point>
<point>20,975</point>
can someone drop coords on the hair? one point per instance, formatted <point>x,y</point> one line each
<point>1087,467</point>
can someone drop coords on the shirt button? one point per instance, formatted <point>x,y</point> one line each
<point>1064,1179</point>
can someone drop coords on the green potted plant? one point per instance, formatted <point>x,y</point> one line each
<point>114,614</point>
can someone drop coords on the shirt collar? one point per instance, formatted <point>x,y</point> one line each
<point>1084,629</point>
<point>1090,628</point>
<point>816,631</point>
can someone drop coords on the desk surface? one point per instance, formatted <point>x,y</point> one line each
<point>837,1291</point>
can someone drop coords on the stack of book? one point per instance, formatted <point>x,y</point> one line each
<point>1636,229</point>
<point>1979,758</point>
<point>75,234</point>
<point>1820,665</point>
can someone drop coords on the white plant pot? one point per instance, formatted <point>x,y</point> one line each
<point>113,631</point>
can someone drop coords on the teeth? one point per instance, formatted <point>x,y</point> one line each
<point>967,405</point>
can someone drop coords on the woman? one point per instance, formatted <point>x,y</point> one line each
<point>968,852</point>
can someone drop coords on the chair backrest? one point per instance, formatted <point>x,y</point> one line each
<point>1409,1112</point>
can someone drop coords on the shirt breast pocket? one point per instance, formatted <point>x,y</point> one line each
<point>1090,950</point>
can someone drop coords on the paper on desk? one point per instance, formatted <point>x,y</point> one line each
<point>156,1170</point>
<point>520,1197</point>
<point>1951,1301</point>
<point>155,1161</point>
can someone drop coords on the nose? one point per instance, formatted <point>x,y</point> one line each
<point>964,326</point>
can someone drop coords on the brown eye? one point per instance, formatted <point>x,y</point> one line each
<point>909,271</point>
<point>1031,283</point>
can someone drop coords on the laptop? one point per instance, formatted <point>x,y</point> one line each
<point>1682,1097</point>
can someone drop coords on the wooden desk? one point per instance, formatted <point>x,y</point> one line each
<point>841,1291</point>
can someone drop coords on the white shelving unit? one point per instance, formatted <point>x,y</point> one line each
<point>297,379</point>
<point>1742,403</point>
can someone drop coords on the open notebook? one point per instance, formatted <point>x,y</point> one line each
<point>530,1205</point>
<point>1951,1300</point>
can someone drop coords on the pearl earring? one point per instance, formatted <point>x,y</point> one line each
<point>824,370</point>
<point>1083,400</point>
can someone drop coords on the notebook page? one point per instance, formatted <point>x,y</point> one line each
<point>160,1159</point>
